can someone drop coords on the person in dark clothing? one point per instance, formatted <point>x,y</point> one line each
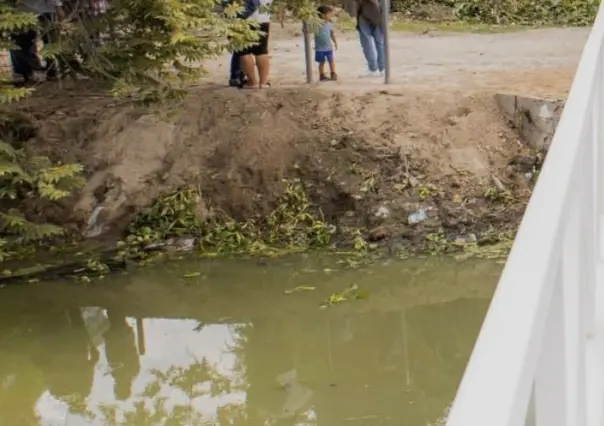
<point>25,59</point>
<point>236,78</point>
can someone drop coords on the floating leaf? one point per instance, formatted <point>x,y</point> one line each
<point>300,288</point>
<point>192,275</point>
<point>351,293</point>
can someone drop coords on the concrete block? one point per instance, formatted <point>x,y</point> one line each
<point>535,119</point>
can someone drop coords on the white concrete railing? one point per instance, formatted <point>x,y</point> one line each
<point>538,359</point>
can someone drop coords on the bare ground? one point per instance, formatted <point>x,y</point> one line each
<point>539,62</point>
<point>433,141</point>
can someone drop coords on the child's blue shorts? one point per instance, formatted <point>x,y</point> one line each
<point>325,56</point>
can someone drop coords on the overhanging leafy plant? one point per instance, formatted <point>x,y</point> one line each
<point>23,176</point>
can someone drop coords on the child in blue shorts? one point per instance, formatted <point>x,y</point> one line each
<point>325,43</point>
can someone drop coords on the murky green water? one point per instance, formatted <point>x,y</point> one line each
<point>231,347</point>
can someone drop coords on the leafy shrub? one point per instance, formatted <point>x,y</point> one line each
<point>526,12</point>
<point>24,177</point>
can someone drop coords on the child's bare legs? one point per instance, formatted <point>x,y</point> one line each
<point>332,69</point>
<point>322,71</point>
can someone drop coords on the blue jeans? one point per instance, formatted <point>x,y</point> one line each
<point>372,42</point>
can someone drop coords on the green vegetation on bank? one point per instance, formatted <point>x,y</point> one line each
<point>295,224</point>
<point>25,178</point>
<point>418,26</point>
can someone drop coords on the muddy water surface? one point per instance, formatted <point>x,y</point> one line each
<point>242,343</point>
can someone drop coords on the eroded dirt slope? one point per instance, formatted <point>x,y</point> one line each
<point>370,160</point>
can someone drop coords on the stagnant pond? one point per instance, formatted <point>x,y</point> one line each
<point>243,342</point>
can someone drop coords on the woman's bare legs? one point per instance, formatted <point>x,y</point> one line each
<point>263,64</point>
<point>248,66</point>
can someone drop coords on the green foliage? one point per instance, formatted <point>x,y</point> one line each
<point>304,10</point>
<point>13,21</point>
<point>503,12</point>
<point>294,224</point>
<point>152,49</point>
<point>157,47</point>
<point>171,215</point>
<point>23,177</point>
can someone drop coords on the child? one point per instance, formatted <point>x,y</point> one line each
<point>325,42</point>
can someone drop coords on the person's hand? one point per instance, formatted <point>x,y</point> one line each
<point>335,45</point>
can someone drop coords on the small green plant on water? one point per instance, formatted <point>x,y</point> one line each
<point>350,293</point>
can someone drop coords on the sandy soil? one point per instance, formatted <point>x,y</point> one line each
<point>541,62</point>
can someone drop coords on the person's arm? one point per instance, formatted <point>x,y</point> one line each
<point>333,38</point>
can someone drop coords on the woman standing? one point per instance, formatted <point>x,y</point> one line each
<point>256,56</point>
<point>371,35</point>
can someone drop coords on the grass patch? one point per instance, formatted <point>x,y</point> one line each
<point>423,27</point>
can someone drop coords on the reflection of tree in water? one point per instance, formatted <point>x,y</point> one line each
<point>66,357</point>
<point>199,379</point>
<point>333,355</point>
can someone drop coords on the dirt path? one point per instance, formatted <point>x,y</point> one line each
<point>541,62</point>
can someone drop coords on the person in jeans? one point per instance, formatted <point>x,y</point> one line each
<point>25,59</point>
<point>371,35</point>
<point>236,78</point>
<point>256,55</point>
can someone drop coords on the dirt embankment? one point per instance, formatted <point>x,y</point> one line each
<point>404,167</point>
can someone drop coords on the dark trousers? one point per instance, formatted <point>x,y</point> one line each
<point>236,72</point>
<point>25,60</point>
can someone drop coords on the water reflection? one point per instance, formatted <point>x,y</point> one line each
<point>98,365</point>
